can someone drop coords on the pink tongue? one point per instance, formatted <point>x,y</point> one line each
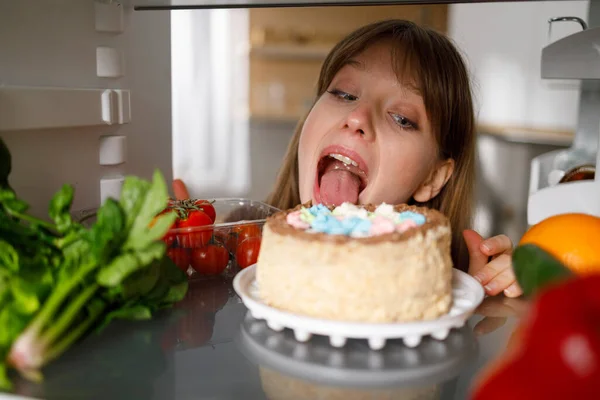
<point>339,186</point>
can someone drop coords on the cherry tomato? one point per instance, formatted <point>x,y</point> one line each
<point>223,238</point>
<point>240,233</point>
<point>247,252</point>
<point>169,239</point>
<point>210,260</point>
<point>195,230</point>
<point>244,232</point>
<point>181,257</point>
<point>207,208</point>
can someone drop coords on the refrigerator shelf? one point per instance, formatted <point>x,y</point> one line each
<point>30,107</point>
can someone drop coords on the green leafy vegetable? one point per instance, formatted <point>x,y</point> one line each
<point>60,280</point>
<point>59,208</point>
<point>535,268</point>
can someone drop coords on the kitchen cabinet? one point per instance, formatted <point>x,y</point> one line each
<point>288,46</point>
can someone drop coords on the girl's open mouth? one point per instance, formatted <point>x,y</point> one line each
<point>341,176</point>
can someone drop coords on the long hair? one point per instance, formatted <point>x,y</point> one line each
<point>442,77</point>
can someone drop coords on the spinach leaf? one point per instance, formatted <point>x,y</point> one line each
<point>9,258</point>
<point>4,381</point>
<point>142,234</point>
<point>60,206</point>
<point>25,297</point>
<point>140,282</point>
<point>5,294</point>
<point>118,270</point>
<point>154,251</point>
<point>10,202</point>
<point>170,277</point>
<point>132,197</point>
<point>107,235</point>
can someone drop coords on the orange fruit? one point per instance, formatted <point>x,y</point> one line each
<point>574,239</point>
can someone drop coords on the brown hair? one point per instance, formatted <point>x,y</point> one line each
<point>443,80</point>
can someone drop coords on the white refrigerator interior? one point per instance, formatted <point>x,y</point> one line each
<point>90,92</point>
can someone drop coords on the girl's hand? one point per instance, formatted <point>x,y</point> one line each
<point>496,275</point>
<point>180,190</point>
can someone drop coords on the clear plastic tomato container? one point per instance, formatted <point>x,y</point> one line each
<point>225,247</point>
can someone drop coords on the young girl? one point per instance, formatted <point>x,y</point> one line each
<point>393,122</point>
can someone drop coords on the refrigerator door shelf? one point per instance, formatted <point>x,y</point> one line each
<point>572,197</point>
<point>26,108</point>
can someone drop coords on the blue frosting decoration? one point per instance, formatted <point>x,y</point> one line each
<point>319,209</point>
<point>321,219</point>
<point>419,219</point>
<point>331,225</point>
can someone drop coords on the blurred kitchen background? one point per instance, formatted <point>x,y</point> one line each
<point>520,115</point>
<point>216,94</point>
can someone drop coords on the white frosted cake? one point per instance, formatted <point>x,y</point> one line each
<point>357,263</point>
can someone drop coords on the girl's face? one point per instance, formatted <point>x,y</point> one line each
<point>368,139</point>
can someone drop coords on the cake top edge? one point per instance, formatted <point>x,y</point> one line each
<point>430,214</point>
<point>349,221</point>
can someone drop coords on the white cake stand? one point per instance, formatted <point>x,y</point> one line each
<point>467,295</point>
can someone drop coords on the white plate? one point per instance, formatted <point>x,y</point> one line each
<point>467,295</point>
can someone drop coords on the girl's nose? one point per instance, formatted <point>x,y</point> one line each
<point>359,121</point>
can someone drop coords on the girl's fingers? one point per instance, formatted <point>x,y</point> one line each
<point>494,268</point>
<point>500,282</point>
<point>477,260</point>
<point>180,190</point>
<point>500,244</point>
<point>513,290</point>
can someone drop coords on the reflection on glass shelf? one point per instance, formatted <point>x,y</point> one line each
<point>187,4</point>
<point>316,367</point>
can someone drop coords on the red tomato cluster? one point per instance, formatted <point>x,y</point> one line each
<point>193,241</point>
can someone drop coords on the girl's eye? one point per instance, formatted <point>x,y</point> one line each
<point>403,122</point>
<point>342,95</point>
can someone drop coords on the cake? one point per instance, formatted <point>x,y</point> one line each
<point>357,263</point>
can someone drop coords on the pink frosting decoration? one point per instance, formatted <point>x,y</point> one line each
<point>406,225</point>
<point>381,225</point>
<point>294,220</point>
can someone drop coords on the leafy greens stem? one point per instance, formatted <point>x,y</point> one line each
<point>67,317</point>
<point>68,240</point>
<point>73,335</point>
<point>31,219</point>
<point>61,292</point>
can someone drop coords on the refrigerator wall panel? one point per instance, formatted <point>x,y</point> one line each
<point>52,44</point>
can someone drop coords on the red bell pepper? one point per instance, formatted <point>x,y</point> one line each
<point>556,353</point>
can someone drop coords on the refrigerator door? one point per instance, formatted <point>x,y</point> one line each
<point>85,97</point>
